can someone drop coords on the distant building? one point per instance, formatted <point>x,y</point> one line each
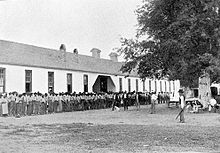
<point>27,68</point>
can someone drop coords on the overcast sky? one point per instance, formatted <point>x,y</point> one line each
<point>81,24</point>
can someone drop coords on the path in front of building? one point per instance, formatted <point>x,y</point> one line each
<point>112,131</point>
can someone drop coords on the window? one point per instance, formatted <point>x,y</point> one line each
<point>50,82</point>
<point>69,82</point>
<point>129,85</point>
<point>170,86</point>
<point>2,80</point>
<point>165,86</point>
<point>155,85</point>
<point>137,85</point>
<point>120,84</point>
<point>161,89</point>
<point>85,82</point>
<point>149,85</point>
<point>28,80</point>
<point>143,85</point>
<point>173,86</point>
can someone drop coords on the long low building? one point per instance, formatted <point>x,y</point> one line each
<point>27,68</point>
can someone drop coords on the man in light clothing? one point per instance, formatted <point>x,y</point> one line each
<point>4,105</point>
<point>182,105</point>
<point>137,102</point>
<point>213,104</point>
<point>154,98</point>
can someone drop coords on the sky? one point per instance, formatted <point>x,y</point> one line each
<point>81,24</point>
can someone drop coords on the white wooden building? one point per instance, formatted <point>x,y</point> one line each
<point>27,68</point>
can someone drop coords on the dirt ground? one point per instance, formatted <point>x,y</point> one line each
<point>104,131</point>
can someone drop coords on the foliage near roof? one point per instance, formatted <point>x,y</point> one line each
<point>182,41</point>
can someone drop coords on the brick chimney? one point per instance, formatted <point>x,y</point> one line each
<point>75,51</point>
<point>63,52</point>
<point>95,52</point>
<point>113,56</point>
<point>62,47</point>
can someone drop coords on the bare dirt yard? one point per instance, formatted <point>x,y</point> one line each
<point>103,131</point>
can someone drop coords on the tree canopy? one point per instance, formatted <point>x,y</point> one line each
<point>176,39</point>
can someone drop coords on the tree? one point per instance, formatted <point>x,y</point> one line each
<point>176,39</point>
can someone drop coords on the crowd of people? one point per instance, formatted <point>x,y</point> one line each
<point>14,104</point>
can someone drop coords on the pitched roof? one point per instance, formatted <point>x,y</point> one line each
<point>28,55</point>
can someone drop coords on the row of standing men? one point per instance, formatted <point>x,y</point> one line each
<point>14,104</point>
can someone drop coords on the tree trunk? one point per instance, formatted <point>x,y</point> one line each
<point>204,90</point>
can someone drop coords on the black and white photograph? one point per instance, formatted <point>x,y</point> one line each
<point>109,76</point>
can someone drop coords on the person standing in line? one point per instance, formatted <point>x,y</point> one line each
<point>24,104</point>
<point>137,102</point>
<point>10,105</point>
<point>82,101</point>
<point>72,99</point>
<point>148,98</point>
<point>56,103</point>
<point>29,100</point>
<point>168,97</point>
<point>162,98</point>
<point>115,101</point>
<point>120,99</point>
<point>154,99</point>
<point>13,104</point>
<point>28,103</point>
<point>42,104</point>
<point>125,96</point>
<point>1,100</point>
<point>31,104</point>
<point>50,103</point>
<point>38,100</point>
<point>159,98</point>
<point>4,105</point>
<point>75,102</point>
<point>19,101</point>
<point>64,102</point>
<point>59,105</point>
<point>67,99</point>
<point>46,97</point>
<point>182,105</point>
<point>34,100</point>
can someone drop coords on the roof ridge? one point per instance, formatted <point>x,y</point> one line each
<point>20,43</point>
<point>51,49</point>
<point>30,55</point>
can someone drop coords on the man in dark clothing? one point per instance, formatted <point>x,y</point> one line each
<point>125,100</point>
<point>115,101</point>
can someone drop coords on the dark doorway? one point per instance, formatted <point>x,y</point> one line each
<point>103,84</point>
